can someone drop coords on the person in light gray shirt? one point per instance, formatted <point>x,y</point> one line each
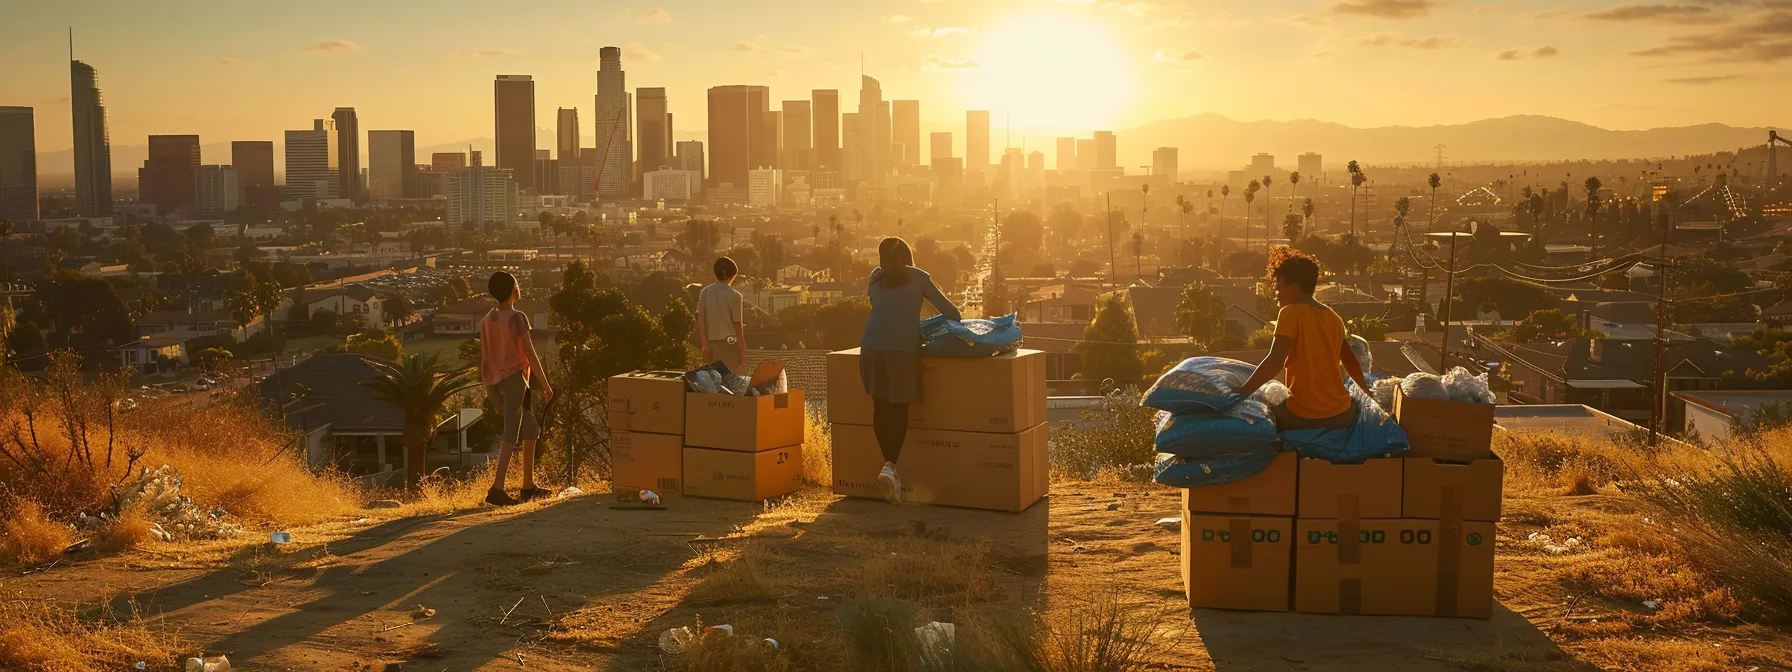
<point>721,319</point>
<point>890,350</point>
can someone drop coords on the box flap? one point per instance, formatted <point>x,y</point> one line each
<point>766,373</point>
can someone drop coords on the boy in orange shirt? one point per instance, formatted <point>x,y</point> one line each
<point>1310,344</point>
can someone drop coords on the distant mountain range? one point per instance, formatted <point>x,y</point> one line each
<point>1211,141</point>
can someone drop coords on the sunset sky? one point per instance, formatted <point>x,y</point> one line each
<point>247,70</point>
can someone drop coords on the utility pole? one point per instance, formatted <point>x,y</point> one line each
<point>1113,266</point>
<point>1659,379</point>
<point>1449,294</point>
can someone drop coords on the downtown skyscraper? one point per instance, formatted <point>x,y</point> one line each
<point>93,146</point>
<point>905,128</point>
<point>513,114</point>
<point>653,130</point>
<point>308,163</point>
<point>391,164</point>
<point>566,135</point>
<point>873,141</point>
<point>348,154</point>
<point>167,178</point>
<point>976,140</point>
<point>740,133</point>
<point>18,164</point>
<point>797,153</point>
<point>615,153</point>
<point>825,108</point>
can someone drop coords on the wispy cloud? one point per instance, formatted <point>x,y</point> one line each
<point>656,15</point>
<point>942,31</point>
<point>899,18</point>
<point>938,63</point>
<point>637,52</point>
<point>1766,37</point>
<point>1700,81</point>
<point>1383,9</point>
<point>333,46</point>
<point>231,61</point>
<point>745,47</point>
<point>1545,51</point>
<point>795,50</point>
<point>1168,55</point>
<point>1681,14</point>
<point>484,53</point>
<point>1427,42</point>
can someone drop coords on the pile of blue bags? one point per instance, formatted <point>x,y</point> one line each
<point>941,337</point>
<point>1209,434</point>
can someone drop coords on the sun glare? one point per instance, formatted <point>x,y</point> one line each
<point>1049,70</point>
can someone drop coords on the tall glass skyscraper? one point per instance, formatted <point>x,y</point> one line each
<point>93,146</point>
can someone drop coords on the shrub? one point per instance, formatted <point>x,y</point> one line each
<point>1117,435</point>
<point>29,537</point>
<point>40,635</point>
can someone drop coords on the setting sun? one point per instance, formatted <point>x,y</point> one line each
<point>1048,70</point>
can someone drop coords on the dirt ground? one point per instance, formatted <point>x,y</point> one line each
<point>587,583</point>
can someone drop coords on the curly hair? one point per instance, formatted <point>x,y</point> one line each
<point>1287,264</point>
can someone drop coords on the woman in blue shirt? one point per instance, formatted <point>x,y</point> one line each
<point>890,350</point>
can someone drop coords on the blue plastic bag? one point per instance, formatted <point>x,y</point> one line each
<point>1374,434</point>
<point>1187,472</point>
<point>941,337</point>
<point>1244,427</point>
<point>1199,384</point>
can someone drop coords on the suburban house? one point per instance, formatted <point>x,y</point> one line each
<point>1612,375</point>
<point>356,301</point>
<point>193,325</point>
<point>461,318</point>
<point>153,354</point>
<point>1713,414</point>
<point>1060,302</point>
<point>795,273</point>
<point>348,427</point>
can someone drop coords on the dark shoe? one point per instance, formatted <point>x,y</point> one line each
<point>532,494</point>
<point>499,498</point>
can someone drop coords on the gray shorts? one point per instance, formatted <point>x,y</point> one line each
<point>511,396</point>
<point>1286,419</point>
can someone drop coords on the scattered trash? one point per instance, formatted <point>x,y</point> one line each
<point>383,504</point>
<point>676,640</point>
<point>569,491</point>
<point>936,639</point>
<point>280,538</point>
<point>1468,388</point>
<point>212,664</point>
<point>422,612</point>
<point>155,530</point>
<point>1173,524</point>
<point>157,493</point>
<point>1549,546</point>
<point>649,497</point>
<point>1651,605</point>
<point>773,643</point>
<point>142,665</point>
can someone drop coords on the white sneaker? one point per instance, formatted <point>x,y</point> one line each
<point>891,484</point>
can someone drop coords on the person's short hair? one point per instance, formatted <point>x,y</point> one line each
<point>502,286</point>
<point>1289,265</point>
<point>725,268</point>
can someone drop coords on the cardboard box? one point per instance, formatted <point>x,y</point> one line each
<point>1446,430</point>
<point>1269,493</point>
<point>1453,491</point>
<point>647,401</point>
<point>1371,566</point>
<point>642,461</point>
<point>1237,562</point>
<point>1464,571</point>
<point>1367,490</point>
<point>749,424</point>
<point>986,394</point>
<point>732,474</point>
<point>978,470</point>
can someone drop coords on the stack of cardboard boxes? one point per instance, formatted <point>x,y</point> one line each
<point>977,438</point>
<point>1410,536</point>
<point>670,440</point>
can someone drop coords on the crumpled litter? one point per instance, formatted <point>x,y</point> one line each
<point>1549,546</point>
<point>1423,385</point>
<point>1360,346</point>
<point>172,516</point>
<point>1468,388</point>
<point>1383,392</point>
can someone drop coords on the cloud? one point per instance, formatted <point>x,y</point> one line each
<point>745,47</point>
<point>937,63</point>
<point>639,53</point>
<point>899,18</point>
<point>482,53</point>
<point>1545,51</point>
<point>1167,55</point>
<point>1699,81</point>
<point>1427,42</point>
<point>333,45</point>
<point>59,101</point>
<point>942,31</point>
<point>656,15</point>
<point>1766,37</point>
<point>231,61</point>
<point>795,50</point>
<point>1682,14</point>
<point>1383,9</point>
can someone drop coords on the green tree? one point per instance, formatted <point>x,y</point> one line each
<point>377,343</point>
<point>1547,325</point>
<point>1200,313</point>
<point>398,308</point>
<point>458,285</point>
<point>1110,346</point>
<point>1357,178</point>
<point>421,388</point>
<point>82,311</point>
<point>214,362</point>
<point>1370,327</point>
<point>1291,225</point>
<point>1023,228</point>
<point>25,338</point>
<point>468,352</point>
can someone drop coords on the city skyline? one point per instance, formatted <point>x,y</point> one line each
<point>1480,60</point>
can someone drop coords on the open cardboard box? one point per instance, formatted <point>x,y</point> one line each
<point>750,424</point>
<point>1445,430</point>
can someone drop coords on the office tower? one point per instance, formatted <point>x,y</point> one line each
<point>1163,162</point>
<point>1085,154</point>
<point>1035,161</point>
<point>690,160</point>
<point>854,145</point>
<point>443,162</point>
<point>905,128</point>
<point>873,129</point>
<point>217,190</point>
<point>18,164</point>
<point>253,161</point>
<point>514,120</point>
<point>1311,167</point>
<point>615,175</point>
<point>308,163</point>
<point>882,140</point>
<point>1106,151</point>
<point>942,146</point>
<point>1066,159</point>
<point>566,134</point>
<point>480,195</point>
<point>738,140</point>
<point>475,161</point>
<point>765,187</point>
<point>428,181</point>
<point>93,146</point>
<point>668,184</point>
<point>976,140</point>
<point>1262,164</point>
<point>653,130</point>
<point>166,178</point>
<point>348,154</point>
<point>391,164</point>
<point>798,154</point>
<point>826,122</point>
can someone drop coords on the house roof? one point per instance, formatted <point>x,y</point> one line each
<point>1154,310</point>
<point>357,292</point>
<point>1635,360</point>
<point>1734,403</point>
<point>1625,312</point>
<point>1781,309</point>
<point>173,317</point>
<point>335,395</point>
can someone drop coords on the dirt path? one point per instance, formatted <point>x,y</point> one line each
<point>586,584</point>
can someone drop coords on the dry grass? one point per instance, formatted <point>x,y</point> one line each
<point>1115,440</point>
<point>36,635</point>
<point>818,448</point>
<point>29,537</point>
<point>129,529</point>
<point>737,581</point>
<point>955,571</point>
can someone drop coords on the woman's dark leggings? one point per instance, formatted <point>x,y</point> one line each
<point>889,420</point>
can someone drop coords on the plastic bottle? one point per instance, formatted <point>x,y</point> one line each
<point>650,498</point>
<point>676,640</point>
<point>280,537</point>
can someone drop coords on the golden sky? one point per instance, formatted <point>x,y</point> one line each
<point>247,70</point>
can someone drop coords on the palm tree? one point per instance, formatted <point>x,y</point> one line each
<point>1593,185</point>
<point>1356,180</point>
<point>1401,208</point>
<point>1225,191</point>
<point>1431,219</point>
<point>1306,212</point>
<point>1268,196</point>
<point>1293,188</point>
<point>1250,194</point>
<point>421,388</point>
